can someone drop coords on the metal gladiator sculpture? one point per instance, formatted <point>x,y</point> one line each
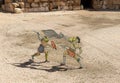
<point>44,42</point>
<point>74,50</point>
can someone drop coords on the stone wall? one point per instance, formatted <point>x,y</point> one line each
<point>40,5</point>
<point>18,6</point>
<point>13,6</point>
<point>51,5</point>
<point>106,4</point>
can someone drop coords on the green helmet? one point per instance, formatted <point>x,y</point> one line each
<point>45,38</point>
<point>72,39</point>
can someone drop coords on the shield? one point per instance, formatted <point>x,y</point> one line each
<point>53,45</point>
<point>71,53</point>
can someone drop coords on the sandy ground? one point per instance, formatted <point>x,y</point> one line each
<point>100,36</point>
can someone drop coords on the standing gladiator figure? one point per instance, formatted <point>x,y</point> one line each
<point>74,50</point>
<point>41,49</point>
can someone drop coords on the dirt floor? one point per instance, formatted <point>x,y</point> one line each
<point>100,36</point>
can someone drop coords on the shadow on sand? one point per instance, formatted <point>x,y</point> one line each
<point>34,65</point>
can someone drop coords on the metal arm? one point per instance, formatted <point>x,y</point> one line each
<point>38,34</point>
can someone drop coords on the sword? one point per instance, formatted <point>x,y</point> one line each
<point>38,34</point>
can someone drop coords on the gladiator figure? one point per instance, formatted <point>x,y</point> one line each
<point>74,50</point>
<point>41,49</point>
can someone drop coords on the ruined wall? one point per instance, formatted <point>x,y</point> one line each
<point>40,5</point>
<point>55,5</point>
<point>13,6</point>
<point>106,4</point>
<point>51,5</point>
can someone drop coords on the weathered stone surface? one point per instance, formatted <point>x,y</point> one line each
<point>34,5</point>
<point>106,4</point>
<point>18,10</point>
<point>27,5</point>
<point>36,1</point>
<point>30,1</point>
<point>3,7</point>
<point>9,7</point>
<point>21,4</point>
<point>8,1</point>
<point>15,5</point>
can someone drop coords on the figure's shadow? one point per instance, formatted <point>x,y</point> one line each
<point>38,66</point>
<point>24,64</point>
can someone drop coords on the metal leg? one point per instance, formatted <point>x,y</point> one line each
<point>78,60</point>
<point>46,56</point>
<point>36,54</point>
<point>64,58</point>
